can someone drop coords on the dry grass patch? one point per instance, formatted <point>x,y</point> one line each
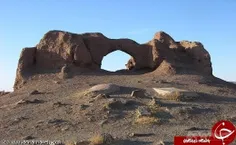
<point>154,109</point>
<point>175,96</point>
<point>71,143</point>
<point>158,112</point>
<point>83,94</point>
<point>178,96</point>
<point>106,106</point>
<point>101,139</point>
<point>89,93</point>
<point>147,120</point>
<point>147,115</point>
<point>97,140</point>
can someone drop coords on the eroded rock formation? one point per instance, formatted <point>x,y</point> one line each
<point>3,93</point>
<point>87,50</point>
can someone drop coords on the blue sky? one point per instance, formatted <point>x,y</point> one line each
<point>24,22</point>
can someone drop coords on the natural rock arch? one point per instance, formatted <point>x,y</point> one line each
<point>110,60</point>
<point>162,54</point>
<point>102,46</point>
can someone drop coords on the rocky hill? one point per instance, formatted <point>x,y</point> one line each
<point>162,54</point>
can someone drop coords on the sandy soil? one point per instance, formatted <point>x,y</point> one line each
<point>61,110</point>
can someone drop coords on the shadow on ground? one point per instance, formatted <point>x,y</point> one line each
<point>210,98</point>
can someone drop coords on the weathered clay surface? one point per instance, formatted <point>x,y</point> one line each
<point>104,88</point>
<point>26,62</point>
<point>162,54</point>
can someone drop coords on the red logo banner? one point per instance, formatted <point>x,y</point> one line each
<point>223,133</point>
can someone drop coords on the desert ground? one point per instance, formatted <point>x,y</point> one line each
<point>49,107</point>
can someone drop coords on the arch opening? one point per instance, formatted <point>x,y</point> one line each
<point>115,61</point>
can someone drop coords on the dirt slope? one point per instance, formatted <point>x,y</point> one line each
<point>62,110</point>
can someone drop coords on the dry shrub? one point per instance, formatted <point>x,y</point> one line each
<point>71,143</point>
<point>97,140</point>
<point>176,96</point>
<point>154,109</point>
<point>147,120</point>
